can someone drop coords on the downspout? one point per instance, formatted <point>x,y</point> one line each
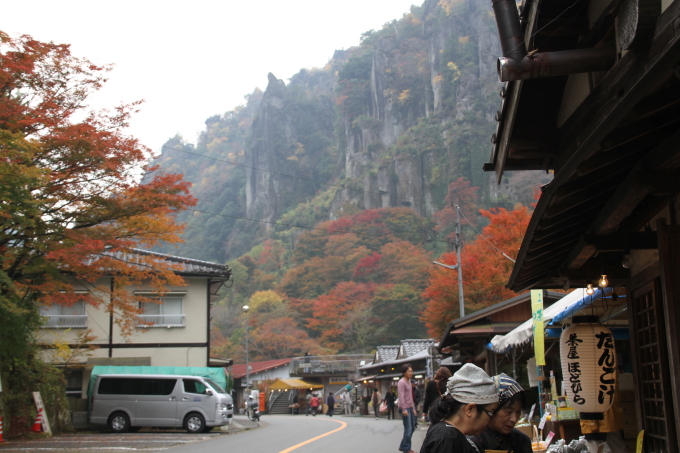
<point>516,64</point>
<point>208,340</point>
<point>111,320</point>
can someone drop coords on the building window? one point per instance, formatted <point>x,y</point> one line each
<point>65,317</point>
<point>166,313</point>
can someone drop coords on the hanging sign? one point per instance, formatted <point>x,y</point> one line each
<point>537,316</point>
<point>589,366</point>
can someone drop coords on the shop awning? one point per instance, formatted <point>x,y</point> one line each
<point>579,305</point>
<point>523,333</point>
<point>294,384</point>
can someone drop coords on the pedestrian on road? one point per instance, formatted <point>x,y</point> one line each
<point>331,404</point>
<point>416,401</point>
<point>308,399</point>
<point>390,397</point>
<point>435,388</point>
<point>314,402</point>
<point>347,400</point>
<point>406,406</point>
<point>465,409</point>
<point>376,400</point>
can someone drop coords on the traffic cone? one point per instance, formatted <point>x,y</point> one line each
<point>37,426</point>
<point>1,439</point>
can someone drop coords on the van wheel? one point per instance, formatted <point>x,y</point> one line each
<point>119,422</point>
<point>194,423</point>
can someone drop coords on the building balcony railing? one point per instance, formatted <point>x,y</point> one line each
<point>65,321</point>
<point>151,321</point>
<point>328,364</point>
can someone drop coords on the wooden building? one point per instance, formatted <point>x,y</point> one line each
<point>592,93</point>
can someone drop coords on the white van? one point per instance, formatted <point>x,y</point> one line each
<point>127,402</point>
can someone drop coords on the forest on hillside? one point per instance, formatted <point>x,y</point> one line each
<point>330,195</point>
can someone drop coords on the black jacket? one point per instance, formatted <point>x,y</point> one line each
<point>516,441</point>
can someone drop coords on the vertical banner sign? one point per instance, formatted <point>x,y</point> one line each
<point>40,406</point>
<point>537,316</point>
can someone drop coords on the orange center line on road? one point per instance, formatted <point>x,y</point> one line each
<point>295,447</point>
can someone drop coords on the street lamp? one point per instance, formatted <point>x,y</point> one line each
<point>245,310</point>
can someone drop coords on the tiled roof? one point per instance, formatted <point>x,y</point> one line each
<point>385,353</point>
<point>411,347</point>
<point>239,371</point>
<point>187,266</point>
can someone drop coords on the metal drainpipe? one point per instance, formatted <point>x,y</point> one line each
<point>509,29</point>
<point>516,65</point>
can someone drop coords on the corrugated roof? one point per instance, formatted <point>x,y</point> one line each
<point>239,371</point>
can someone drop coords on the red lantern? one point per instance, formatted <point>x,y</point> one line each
<point>588,366</point>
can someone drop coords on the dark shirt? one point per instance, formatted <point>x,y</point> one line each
<point>431,395</point>
<point>516,441</point>
<point>389,398</point>
<point>444,438</point>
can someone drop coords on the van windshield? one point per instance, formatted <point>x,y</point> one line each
<point>214,385</point>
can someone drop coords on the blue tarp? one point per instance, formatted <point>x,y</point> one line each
<point>216,374</point>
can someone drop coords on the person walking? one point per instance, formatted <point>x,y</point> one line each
<point>314,402</point>
<point>308,399</point>
<point>435,388</point>
<point>347,400</point>
<point>376,400</point>
<point>331,404</point>
<point>390,397</point>
<point>406,407</point>
<point>465,409</point>
<point>416,401</point>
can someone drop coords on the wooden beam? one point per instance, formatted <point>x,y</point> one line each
<point>619,241</point>
<point>503,146</point>
<point>626,84</point>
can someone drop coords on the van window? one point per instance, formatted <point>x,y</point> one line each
<point>194,386</point>
<point>136,386</point>
<point>218,388</point>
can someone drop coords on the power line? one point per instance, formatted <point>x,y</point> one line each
<point>231,162</point>
<point>483,237</point>
<point>292,225</point>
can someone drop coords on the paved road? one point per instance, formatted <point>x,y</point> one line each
<point>299,434</point>
<point>276,434</point>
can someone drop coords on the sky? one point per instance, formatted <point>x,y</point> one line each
<point>193,59</point>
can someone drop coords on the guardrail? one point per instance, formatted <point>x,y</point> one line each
<point>66,321</point>
<point>321,364</point>
<point>150,321</point>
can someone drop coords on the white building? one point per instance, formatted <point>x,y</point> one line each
<point>174,332</point>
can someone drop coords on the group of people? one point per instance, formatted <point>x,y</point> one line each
<point>314,403</point>
<point>469,412</point>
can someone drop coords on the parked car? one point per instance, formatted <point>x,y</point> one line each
<point>127,402</point>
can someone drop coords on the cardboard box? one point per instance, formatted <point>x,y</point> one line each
<point>526,429</point>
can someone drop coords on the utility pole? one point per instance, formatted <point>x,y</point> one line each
<point>461,301</point>
<point>458,267</point>
<point>245,310</point>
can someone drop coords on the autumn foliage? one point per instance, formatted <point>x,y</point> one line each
<point>69,198</point>
<point>485,269</point>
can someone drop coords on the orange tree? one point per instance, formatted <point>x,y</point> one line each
<point>69,197</point>
<point>485,270</point>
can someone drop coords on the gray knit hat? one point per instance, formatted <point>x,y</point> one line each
<point>471,384</point>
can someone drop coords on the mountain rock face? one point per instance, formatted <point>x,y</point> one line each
<point>415,109</point>
<point>389,123</point>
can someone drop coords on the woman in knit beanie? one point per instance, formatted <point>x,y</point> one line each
<point>501,433</point>
<point>463,410</point>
